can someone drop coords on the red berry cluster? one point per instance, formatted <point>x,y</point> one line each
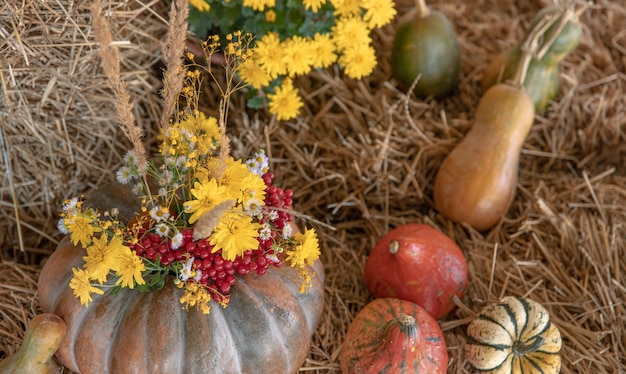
<point>216,273</point>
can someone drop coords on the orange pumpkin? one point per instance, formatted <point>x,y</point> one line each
<point>267,325</point>
<point>390,335</point>
<point>418,263</point>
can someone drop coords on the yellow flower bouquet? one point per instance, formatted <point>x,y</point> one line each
<point>292,39</point>
<point>206,218</point>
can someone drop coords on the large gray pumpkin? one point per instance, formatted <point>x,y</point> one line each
<point>266,328</point>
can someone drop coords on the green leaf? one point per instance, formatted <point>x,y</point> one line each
<point>255,100</point>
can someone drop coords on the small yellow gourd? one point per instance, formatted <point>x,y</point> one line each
<point>514,336</point>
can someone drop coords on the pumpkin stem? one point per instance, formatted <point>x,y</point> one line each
<point>405,323</point>
<point>531,44</point>
<point>521,349</point>
<point>563,18</point>
<point>394,246</point>
<point>422,8</point>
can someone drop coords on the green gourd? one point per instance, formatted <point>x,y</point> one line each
<point>425,46</point>
<point>43,337</point>
<point>542,77</point>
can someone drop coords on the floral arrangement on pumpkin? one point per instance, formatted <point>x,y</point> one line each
<point>205,217</point>
<point>295,37</point>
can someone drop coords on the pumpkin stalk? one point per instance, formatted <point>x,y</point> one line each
<point>406,324</point>
<point>563,18</point>
<point>522,349</point>
<point>394,247</point>
<point>422,8</point>
<point>530,46</point>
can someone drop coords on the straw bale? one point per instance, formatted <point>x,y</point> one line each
<point>60,134</point>
<point>362,159</point>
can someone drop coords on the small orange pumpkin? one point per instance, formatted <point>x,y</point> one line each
<point>390,335</point>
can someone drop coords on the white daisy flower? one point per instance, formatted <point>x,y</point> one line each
<point>61,227</point>
<point>266,232</point>
<point>272,258</point>
<point>70,204</point>
<point>272,215</point>
<point>187,271</point>
<point>159,213</point>
<point>138,189</point>
<point>124,175</point>
<point>253,207</point>
<point>177,240</point>
<point>130,159</point>
<point>287,231</point>
<point>162,230</point>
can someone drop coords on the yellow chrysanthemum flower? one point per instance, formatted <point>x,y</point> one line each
<point>207,133</point>
<point>298,55</point>
<point>270,16</point>
<point>253,188</point>
<point>286,102</point>
<point>378,12</point>
<point>358,61</point>
<point>307,251</point>
<point>201,5</point>
<point>207,196</point>
<point>235,234</point>
<point>251,72</point>
<point>269,53</point>
<point>346,8</point>
<point>349,32</point>
<point>240,182</point>
<point>81,230</point>
<point>259,5</point>
<point>235,178</point>
<point>130,269</point>
<point>82,288</point>
<point>102,257</point>
<point>323,51</point>
<point>313,5</point>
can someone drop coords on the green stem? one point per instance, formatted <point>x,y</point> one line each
<point>521,349</point>
<point>529,48</point>
<point>563,18</point>
<point>422,8</point>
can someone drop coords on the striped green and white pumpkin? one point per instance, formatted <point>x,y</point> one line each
<point>514,336</point>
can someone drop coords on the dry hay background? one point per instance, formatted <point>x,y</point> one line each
<point>361,159</point>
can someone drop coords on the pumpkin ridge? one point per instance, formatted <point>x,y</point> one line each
<point>76,317</point>
<point>514,320</point>
<point>92,314</point>
<point>535,365</point>
<point>162,320</point>
<point>131,352</point>
<point>264,302</point>
<point>539,311</point>
<point>285,274</point>
<point>495,322</point>
<point>52,284</point>
<point>474,341</point>
<point>223,339</point>
<point>525,306</point>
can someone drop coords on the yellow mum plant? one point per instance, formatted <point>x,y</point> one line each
<point>294,37</point>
